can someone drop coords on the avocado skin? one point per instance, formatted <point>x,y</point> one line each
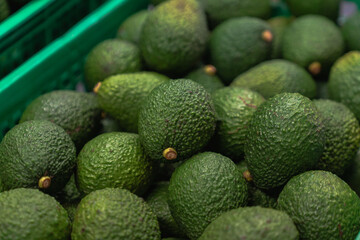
<point>114,213</point>
<point>203,187</point>
<point>130,29</point>
<point>277,76</point>
<point>278,24</point>
<point>174,36</point>
<point>327,8</point>
<point>286,137</point>
<point>251,223</point>
<point>178,114</point>
<point>33,149</point>
<point>351,32</point>
<point>321,205</point>
<point>209,82</point>
<point>237,45</point>
<point>78,113</point>
<point>32,215</point>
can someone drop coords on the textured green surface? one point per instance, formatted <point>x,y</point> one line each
<point>342,133</point>
<point>114,160</point>
<point>251,223</point>
<point>177,114</point>
<point>69,193</point>
<point>219,11</point>
<point>4,10</point>
<point>278,24</point>
<point>237,45</point>
<point>110,57</point>
<point>344,82</point>
<point>351,32</point>
<point>122,95</point>
<point>32,215</point>
<point>234,108</point>
<point>34,149</point>
<point>131,28</point>
<point>202,188</point>
<point>322,206</point>
<point>313,38</point>
<point>277,76</point>
<point>208,81</point>
<point>352,174</point>
<point>327,8</point>
<point>174,36</point>
<point>157,200</point>
<point>77,113</point>
<point>285,137</point>
<point>114,213</point>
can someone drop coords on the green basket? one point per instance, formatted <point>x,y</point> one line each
<point>36,25</point>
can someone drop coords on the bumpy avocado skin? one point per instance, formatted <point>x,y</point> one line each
<point>321,205</point>
<point>34,149</point>
<point>110,57</point>
<point>130,29</point>
<point>342,133</point>
<point>237,45</point>
<point>114,159</point>
<point>122,95</point>
<point>344,81</point>
<point>351,32</point>
<point>210,82</point>
<point>234,108</point>
<point>32,215</point>
<point>251,223</point>
<point>78,113</point>
<point>277,76</point>
<point>313,38</point>
<point>286,137</point>
<point>174,36</point>
<point>114,213</point>
<point>203,187</point>
<point>178,114</point>
<point>327,8</point>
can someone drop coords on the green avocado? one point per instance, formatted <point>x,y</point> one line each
<point>321,205</point>
<point>327,8</point>
<point>70,208</point>
<point>278,24</point>
<point>130,29</point>
<point>206,76</point>
<point>351,32</point>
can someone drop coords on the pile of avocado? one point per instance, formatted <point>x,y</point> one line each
<point>202,119</point>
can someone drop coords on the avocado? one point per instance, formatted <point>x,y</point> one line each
<point>342,133</point>
<point>234,108</point>
<point>278,25</point>
<point>32,215</point>
<point>110,57</point>
<point>4,10</point>
<point>344,81</point>
<point>174,36</point>
<point>78,113</point>
<point>108,124</point>
<point>70,208</point>
<point>285,137</point>
<point>351,32</point>
<point>220,11</point>
<point>352,174</point>
<point>321,205</point>
<point>157,200</point>
<point>131,28</point>
<point>327,8</point>
<point>277,76</point>
<point>69,193</point>
<point>37,154</point>
<point>313,42</point>
<point>206,76</point>
<point>122,95</point>
<point>114,213</point>
<point>251,223</point>
<point>176,120</point>
<point>203,187</point>
<point>114,160</point>
<point>239,44</point>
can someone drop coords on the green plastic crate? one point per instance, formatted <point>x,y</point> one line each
<point>36,25</point>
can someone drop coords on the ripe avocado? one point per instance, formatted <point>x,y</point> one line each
<point>122,95</point>
<point>114,213</point>
<point>351,32</point>
<point>239,44</point>
<point>327,8</point>
<point>32,215</point>
<point>277,76</point>
<point>174,36</point>
<point>4,10</point>
<point>278,24</point>
<point>251,223</point>
<point>36,154</point>
<point>110,57</point>
<point>176,120</point>
<point>206,76</point>
<point>203,187</point>
<point>321,205</point>
<point>130,29</point>
<point>286,137</point>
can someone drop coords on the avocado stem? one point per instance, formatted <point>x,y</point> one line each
<point>170,154</point>
<point>267,36</point>
<point>44,182</point>
<point>247,176</point>
<point>97,87</point>
<point>315,68</point>
<point>210,70</point>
